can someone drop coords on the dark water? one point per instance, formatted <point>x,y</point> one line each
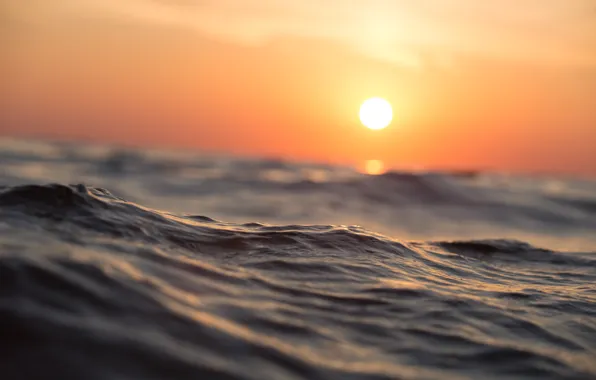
<point>259,270</point>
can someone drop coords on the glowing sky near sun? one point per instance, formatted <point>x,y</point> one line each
<point>508,85</point>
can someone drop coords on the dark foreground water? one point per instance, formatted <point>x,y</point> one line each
<point>451,276</point>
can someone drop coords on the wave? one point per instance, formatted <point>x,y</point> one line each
<point>94,286</point>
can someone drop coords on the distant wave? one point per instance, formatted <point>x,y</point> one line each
<point>93,286</point>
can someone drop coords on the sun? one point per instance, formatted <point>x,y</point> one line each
<point>376,113</point>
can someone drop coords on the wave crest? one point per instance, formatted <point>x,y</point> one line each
<point>98,285</point>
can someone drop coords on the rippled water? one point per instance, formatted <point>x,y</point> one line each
<point>262,269</point>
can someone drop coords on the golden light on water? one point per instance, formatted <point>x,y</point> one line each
<point>374,167</point>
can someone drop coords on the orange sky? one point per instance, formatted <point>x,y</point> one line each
<point>507,85</point>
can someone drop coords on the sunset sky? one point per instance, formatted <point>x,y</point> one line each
<point>504,85</point>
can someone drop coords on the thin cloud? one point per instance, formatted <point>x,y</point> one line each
<point>539,31</point>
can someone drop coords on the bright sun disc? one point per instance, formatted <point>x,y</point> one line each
<point>376,113</point>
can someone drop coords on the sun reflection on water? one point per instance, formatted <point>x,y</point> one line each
<point>374,167</point>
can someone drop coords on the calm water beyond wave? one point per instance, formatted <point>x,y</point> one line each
<point>138,264</point>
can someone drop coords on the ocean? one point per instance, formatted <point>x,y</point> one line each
<point>151,264</point>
